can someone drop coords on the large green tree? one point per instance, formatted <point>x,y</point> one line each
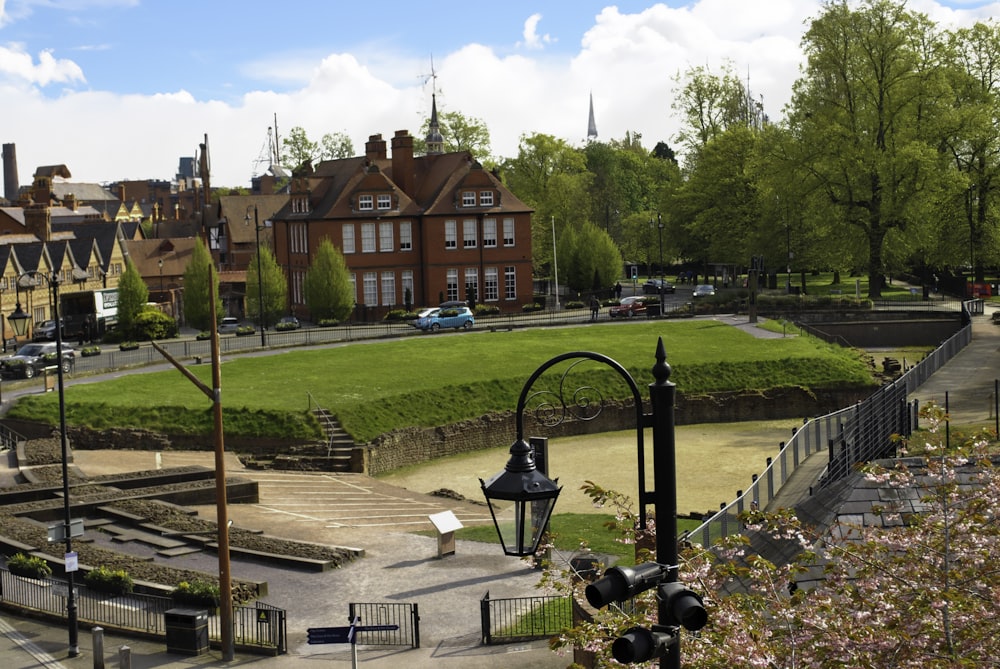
<point>268,288</point>
<point>297,148</point>
<point>460,133</point>
<point>197,312</point>
<point>865,117</point>
<point>132,297</point>
<point>588,259</point>
<point>327,288</point>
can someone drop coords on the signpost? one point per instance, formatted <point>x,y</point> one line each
<point>322,635</point>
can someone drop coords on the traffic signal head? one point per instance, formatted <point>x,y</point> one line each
<point>641,645</point>
<point>684,606</point>
<point>620,583</point>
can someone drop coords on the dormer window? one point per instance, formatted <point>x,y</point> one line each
<point>469,198</point>
<point>365,203</point>
<point>486,198</point>
<point>300,204</point>
<point>384,202</point>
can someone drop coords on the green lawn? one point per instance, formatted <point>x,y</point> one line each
<point>375,387</point>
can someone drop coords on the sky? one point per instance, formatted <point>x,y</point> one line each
<point>122,89</point>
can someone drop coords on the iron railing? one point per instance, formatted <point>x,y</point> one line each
<point>851,435</point>
<point>524,618</point>
<point>259,626</point>
<point>404,617</point>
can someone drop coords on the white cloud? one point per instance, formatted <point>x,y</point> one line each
<point>18,65</point>
<point>532,39</point>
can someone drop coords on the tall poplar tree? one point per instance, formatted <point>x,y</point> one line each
<point>273,288</point>
<point>132,297</point>
<point>196,286</point>
<point>327,287</point>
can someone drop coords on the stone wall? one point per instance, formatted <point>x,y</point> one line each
<point>411,446</point>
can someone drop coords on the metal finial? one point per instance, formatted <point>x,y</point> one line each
<point>661,370</point>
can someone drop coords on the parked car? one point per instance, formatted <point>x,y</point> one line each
<point>703,290</point>
<point>628,307</point>
<point>458,318</point>
<point>657,286</point>
<point>229,325</point>
<point>288,323</point>
<point>32,359</point>
<point>421,315</point>
<point>47,330</point>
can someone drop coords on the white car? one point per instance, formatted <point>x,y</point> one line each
<point>229,325</point>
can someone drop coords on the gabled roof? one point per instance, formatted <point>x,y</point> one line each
<point>233,209</point>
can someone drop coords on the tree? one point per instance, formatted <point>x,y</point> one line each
<point>336,145</point>
<point>709,104</point>
<point>910,587</point>
<point>460,133</point>
<point>588,258</point>
<point>297,148</point>
<point>132,297</point>
<point>866,117</point>
<point>327,287</point>
<point>274,285</point>
<point>196,286</point>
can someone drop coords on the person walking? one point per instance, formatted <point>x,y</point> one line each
<point>595,307</point>
<point>618,290</point>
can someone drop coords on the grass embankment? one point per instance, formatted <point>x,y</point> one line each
<point>427,381</point>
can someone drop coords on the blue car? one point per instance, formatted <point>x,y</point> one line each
<point>458,318</point>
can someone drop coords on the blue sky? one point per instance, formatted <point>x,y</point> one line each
<point>121,89</point>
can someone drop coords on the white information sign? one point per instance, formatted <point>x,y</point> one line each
<point>72,562</point>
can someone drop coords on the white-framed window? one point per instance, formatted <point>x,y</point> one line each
<point>468,198</point>
<point>451,279</point>
<point>300,204</point>
<point>388,289</point>
<point>354,286</point>
<point>347,235</point>
<point>368,238</point>
<point>371,288</point>
<point>299,237</point>
<point>297,277</point>
<point>491,285</point>
<point>472,283</point>
<point>451,235</point>
<point>469,233</point>
<point>489,233</point>
<point>485,198</point>
<point>384,201</point>
<point>385,243</point>
<point>509,283</point>
<point>365,203</point>
<point>405,236</point>
<point>406,279</point>
<point>508,232</point>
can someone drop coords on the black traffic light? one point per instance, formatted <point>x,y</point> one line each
<point>620,583</point>
<point>684,606</point>
<point>639,644</point>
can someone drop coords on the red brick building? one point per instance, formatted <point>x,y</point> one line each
<point>429,228</point>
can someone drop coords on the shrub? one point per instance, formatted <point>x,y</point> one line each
<point>574,304</point>
<point>487,310</point>
<point>285,326</point>
<point>397,315</point>
<point>90,351</point>
<point>531,307</point>
<point>328,322</point>
<point>203,335</point>
<point>128,346</point>
<point>244,330</point>
<point>104,579</point>
<point>154,324</point>
<point>29,566</point>
<point>197,593</point>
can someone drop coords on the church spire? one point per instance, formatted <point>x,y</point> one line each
<point>434,140</point>
<point>591,123</point>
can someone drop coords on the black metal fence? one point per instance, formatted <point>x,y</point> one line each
<point>258,627</point>
<point>524,618</point>
<point>377,620</point>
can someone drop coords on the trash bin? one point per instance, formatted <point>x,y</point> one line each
<point>51,375</point>
<point>187,631</point>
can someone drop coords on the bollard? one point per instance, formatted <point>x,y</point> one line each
<point>124,658</point>
<point>98,640</point>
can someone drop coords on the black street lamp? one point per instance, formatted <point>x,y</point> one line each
<point>159,263</point>
<point>19,323</point>
<point>534,496</point>
<point>663,283</point>
<point>260,276</point>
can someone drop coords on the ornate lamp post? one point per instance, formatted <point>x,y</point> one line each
<point>19,323</point>
<point>534,494</point>
<point>260,276</point>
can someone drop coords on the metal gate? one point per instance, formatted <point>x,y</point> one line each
<point>405,617</point>
<point>524,618</point>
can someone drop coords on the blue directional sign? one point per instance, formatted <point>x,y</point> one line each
<point>315,635</point>
<point>377,628</point>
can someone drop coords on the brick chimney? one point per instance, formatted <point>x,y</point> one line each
<point>402,161</point>
<point>375,148</point>
<point>11,184</point>
<point>70,202</point>
<point>38,221</point>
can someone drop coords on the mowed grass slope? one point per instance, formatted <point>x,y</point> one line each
<point>375,387</point>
